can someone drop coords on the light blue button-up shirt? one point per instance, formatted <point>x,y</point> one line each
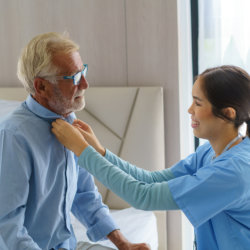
<point>40,183</point>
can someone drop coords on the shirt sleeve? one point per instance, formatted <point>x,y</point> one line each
<point>138,173</point>
<point>189,165</point>
<point>214,188</point>
<point>141,195</point>
<point>14,188</point>
<point>90,210</point>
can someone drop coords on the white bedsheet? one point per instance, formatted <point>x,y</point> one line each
<point>136,225</point>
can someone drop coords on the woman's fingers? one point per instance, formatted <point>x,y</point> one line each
<point>60,125</point>
<point>83,132</point>
<point>69,136</point>
<point>82,124</point>
<point>88,134</point>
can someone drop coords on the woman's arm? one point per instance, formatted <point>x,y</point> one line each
<point>137,173</point>
<point>141,195</point>
<point>154,196</point>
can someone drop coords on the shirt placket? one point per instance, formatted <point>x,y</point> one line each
<point>66,201</point>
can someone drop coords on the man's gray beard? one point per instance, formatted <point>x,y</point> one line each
<point>62,106</point>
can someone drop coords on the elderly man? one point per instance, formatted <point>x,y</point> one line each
<point>40,181</point>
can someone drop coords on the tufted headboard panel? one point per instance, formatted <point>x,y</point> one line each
<point>129,122</point>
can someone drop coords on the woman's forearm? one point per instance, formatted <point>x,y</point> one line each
<point>139,173</point>
<point>141,195</point>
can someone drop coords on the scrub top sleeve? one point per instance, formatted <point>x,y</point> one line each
<point>188,166</point>
<point>212,189</point>
<point>185,167</point>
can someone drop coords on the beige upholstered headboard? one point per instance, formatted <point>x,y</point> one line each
<point>129,122</point>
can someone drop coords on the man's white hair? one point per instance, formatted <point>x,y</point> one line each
<point>36,59</point>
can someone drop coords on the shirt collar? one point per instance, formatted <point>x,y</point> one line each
<point>45,113</point>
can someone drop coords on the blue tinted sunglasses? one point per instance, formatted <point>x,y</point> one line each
<point>76,77</point>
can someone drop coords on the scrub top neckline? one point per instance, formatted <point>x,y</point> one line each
<point>230,150</point>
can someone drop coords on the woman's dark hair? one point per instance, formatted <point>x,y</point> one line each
<point>228,86</point>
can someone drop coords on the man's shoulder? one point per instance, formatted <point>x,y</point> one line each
<point>16,120</point>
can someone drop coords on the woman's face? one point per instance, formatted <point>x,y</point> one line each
<point>204,123</point>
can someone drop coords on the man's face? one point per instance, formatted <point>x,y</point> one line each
<point>64,97</point>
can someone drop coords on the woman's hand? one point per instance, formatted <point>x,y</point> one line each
<point>69,136</point>
<point>89,136</point>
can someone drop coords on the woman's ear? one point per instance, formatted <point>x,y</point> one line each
<point>230,113</point>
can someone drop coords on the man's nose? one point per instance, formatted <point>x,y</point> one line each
<point>83,84</point>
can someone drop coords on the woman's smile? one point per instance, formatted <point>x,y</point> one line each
<point>194,123</point>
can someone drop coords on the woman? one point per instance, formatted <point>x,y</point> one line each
<point>211,186</point>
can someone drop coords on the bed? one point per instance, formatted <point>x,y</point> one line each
<point>128,121</point>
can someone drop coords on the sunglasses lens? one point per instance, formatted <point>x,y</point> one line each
<point>85,71</point>
<point>77,78</point>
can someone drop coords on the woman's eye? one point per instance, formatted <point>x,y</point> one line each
<point>197,104</point>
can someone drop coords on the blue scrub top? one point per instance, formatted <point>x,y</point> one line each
<point>215,196</point>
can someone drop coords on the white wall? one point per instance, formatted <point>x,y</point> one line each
<point>125,43</point>
<point>185,99</point>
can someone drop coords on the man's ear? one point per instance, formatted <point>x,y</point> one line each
<point>40,86</point>
<point>230,113</point>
